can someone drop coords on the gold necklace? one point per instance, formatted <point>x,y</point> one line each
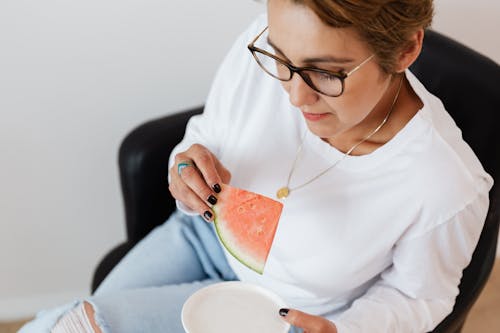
<point>284,191</point>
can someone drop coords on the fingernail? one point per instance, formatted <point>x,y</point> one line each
<point>207,215</point>
<point>211,199</point>
<point>217,188</point>
<point>283,312</point>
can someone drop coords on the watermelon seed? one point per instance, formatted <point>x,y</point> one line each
<point>260,230</point>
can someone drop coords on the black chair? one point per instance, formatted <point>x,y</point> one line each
<point>466,82</point>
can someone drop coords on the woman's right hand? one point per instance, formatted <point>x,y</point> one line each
<point>196,178</point>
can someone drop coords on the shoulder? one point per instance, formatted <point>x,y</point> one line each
<point>238,58</point>
<point>446,174</point>
<point>238,72</point>
<point>241,90</point>
<point>233,73</point>
<point>240,95</point>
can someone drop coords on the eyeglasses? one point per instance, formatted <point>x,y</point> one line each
<point>325,82</point>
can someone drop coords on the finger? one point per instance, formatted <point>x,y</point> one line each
<point>207,164</point>
<point>193,163</point>
<point>192,177</point>
<point>308,322</point>
<point>180,191</point>
<point>188,194</point>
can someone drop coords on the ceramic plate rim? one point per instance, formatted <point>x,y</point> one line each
<point>190,302</point>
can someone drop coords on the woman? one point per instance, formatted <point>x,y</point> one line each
<point>383,200</point>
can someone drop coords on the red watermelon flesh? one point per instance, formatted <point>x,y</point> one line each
<point>246,223</point>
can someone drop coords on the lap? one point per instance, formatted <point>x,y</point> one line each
<point>183,249</point>
<point>151,309</point>
<point>146,290</point>
<point>148,309</point>
<point>145,309</point>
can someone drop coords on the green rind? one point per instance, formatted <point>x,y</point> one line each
<point>259,270</point>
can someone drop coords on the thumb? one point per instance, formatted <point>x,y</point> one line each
<point>297,318</point>
<point>307,322</point>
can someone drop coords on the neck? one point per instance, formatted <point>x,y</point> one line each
<point>373,124</point>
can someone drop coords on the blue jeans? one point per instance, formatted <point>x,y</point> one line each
<point>146,290</point>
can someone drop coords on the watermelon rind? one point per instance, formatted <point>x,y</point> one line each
<point>254,214</point>
<point>225,240</point>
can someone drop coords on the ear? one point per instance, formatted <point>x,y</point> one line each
<point>410,53</point>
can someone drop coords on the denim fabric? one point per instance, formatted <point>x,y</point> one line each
<point>146,290</point>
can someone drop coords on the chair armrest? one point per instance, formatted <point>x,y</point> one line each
<point>143,164</point>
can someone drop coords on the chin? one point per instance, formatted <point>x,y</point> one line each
<point>322,130</point>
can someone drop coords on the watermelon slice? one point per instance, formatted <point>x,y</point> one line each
<point>246,223</point>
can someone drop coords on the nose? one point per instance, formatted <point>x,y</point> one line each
<point>299,93</point>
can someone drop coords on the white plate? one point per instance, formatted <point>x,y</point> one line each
<point>234,306</point>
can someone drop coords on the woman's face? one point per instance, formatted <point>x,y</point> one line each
<point>301,38</point>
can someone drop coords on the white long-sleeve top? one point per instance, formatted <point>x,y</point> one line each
<point>378,243</point>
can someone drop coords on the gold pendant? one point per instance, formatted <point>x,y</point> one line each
<point>283,192</point>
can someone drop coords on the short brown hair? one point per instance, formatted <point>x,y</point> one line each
<point>386,25</point>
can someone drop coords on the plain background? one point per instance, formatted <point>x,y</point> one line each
<point>75,77</point>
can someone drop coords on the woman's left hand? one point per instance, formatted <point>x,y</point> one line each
<point>309,323</point>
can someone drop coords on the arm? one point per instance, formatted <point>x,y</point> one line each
<point>206,134</point>
<point>419,289</point>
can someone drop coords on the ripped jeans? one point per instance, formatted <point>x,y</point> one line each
<point>146,290</point>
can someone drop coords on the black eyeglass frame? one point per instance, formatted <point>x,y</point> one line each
<point>300,70</point>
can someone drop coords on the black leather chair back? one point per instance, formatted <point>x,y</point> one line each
<point>143,161</point>
<point>468,85</point>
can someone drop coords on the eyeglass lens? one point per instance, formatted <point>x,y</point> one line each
<point>323,82</point>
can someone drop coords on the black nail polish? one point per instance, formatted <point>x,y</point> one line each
<point>217,188</point>
<point>212,200</point>
<point>283,312</point>
<point>207,215</point>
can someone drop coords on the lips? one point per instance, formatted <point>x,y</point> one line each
<point>314,116</point>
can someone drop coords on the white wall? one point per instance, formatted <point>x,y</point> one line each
<point>75,77</point>
<point>474,23</point>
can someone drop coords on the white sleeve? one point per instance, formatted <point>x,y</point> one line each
<point>210,128</point>
<point>419,289</point>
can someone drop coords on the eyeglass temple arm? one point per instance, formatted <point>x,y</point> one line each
<point>257,37</point>
<point>358,66</point>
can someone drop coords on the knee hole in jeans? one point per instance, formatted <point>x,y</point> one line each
<point>80,319</point>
